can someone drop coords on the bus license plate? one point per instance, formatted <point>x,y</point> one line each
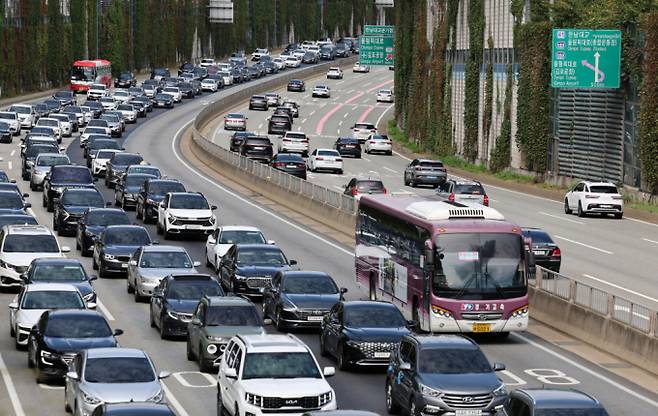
<point>481,327</point>
<point>468,412</point>
<point>385,354</point>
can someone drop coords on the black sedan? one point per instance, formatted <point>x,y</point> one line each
<point>124,80</point>
<point>248,268</point>
<point>300,299</point>
<point>115,246</point>
<point>296,85</point>
<point>64,98</point>
<point>258,102</point>
<point>60,335</point>
<point>6,136</point>
<point>93,223</point>
<point>237,138</point>
<point>17,219</point>
<point>175,298</point>
<point>163,101</point>
<point>62,270</point>
<point>12,203</point>
<point>118,164</point>
<point>126,190</point>
<point>547,254</point>
<point>310,58</point>
<point>362,333</point>
<point>290,163</point>
<point>152,194</point>
<point>71,206</point>
<point>62,177</point>
<point>348,146</point>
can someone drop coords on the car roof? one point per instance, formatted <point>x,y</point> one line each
<point>559,398</point>
<point>82,190</point>
<point>444,340</point>
<point>305,273</point>
<point>50,287</point>
<point>228,301</point>
<point>465,182</point>
<point>124,228</point>
<point>421,160</point>
<point>356,303</point>
<point>340,412</point>
<point>115,352</point>
<point>239,228</point>
<point>159,248</point>
<point>326,150</point>
<point>28,229</point>
<point>74,312</point>
<point>273,343</point>
<point>141,408</point>
<point>57,261</point>
<point>271,247</point>
<point>190,276</point>
<point>599,183</point>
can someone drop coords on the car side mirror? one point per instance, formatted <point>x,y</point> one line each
<point>117,332</point>
<point>26,195</point>
<point>213,207</point>
<point>66,249</point>
<point>27,205</point>
<point>163,374</point>
<point>108,204</point>
<point>293,262</point>
<point>92,278</point>
<point>196,264</point>
<point>13,181</point>
<point>196,321</point>
<point>13,305</point>
<point>342,291</point>
<point>72,375</point>
<point>499,367</point>
<point>133,262</point>
<point>271,242</point>
<point>405,366</point>
<point>231,373</point>
<point>411,323</point>
<point>328,371</point>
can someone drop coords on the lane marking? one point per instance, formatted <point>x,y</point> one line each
<point>650,241</point>
<point>13,152</point>
<point>303,121</point>
<point>365,158</point>
<point>584,245</point>
<point>587,370</point>
<point>10,165</point>
<point>323,120</point>
<point>390,170</point>
<point>561,218</point>
<point>589,276</point>
<point>11,389</point>
<point>311,113</point>
<point>248,202</point>
<point>104,310</point>
<point>180,410</point>
<point>364,115</point>
<point>260,126</point>
<point>345,115</point>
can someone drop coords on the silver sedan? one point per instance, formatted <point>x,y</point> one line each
<point>42,166</point>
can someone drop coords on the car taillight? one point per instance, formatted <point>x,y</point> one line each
<point>451,198</point>
<point>556,253</point>
<point>385,190</point>
<point>339,159</point>
<point>486,200</point>
<point>279,164</point>
<point>372,142</point>
<point>591,196</point>
<point>319,158</point>
<point>355,191</point>
<point>305,141</point>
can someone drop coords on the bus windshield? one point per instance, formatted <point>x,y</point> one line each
<point>83,73</point>
<point>479,266</point>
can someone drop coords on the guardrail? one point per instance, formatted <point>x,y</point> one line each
<point>611,306</point>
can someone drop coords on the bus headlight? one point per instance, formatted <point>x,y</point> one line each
<point>521,312</point>
<point>444,313</point>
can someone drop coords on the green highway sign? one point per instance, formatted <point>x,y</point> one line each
<point>583,58</point>
<point>376,45</point>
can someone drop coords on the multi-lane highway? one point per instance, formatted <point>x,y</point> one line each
<point>530,361</point>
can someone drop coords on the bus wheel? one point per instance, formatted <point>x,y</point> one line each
<point>373,288</point>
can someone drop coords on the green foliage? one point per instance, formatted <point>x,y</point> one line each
<point>476,23</point>
<point>487,114</point>
<point>648,120</point>
<point>501,154</point>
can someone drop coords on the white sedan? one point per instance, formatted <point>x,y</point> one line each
<point>293,62</point>
<point>325,159</point>
<point>385,96</point>
<point>223,238</point>
<point>121,96</point>
<point>594,198</point>
<point>379,143</point>
<point>175,92</point>
<point>321,91</point>
<point>209,85</point>
<point>360,68</point>
<point>335,73</point>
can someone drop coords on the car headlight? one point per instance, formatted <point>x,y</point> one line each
<point>108,256</point>
<point>89,297</point>
<point>253,399</point>
<point>521,312</point>
<point>48,358</point>
<point>216,339</point>
<point>238,277</point>
<point>89,398</point>
<point>213,219</point>
<point>29,163</point>
<point>157,397</point>
<point>500,391</point>
<point>428,391</point>
<point>179,316</point>
<point>151,201</point>
<point>171,218</point>
<point>289,307</point>
<point>444,313</point>
<point>325,398</point>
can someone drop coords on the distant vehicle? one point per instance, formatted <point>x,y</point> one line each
<point>357,187</point>
<point>225,237</point>
<point>163,100</point>
<point>363,130</point>
<point>594,198</point>
<point>523,402</point>
<point>185,213</point>
<point>547,254</point>
<point>258,102</point>
<point>92,224</point>
<point>133,409</point>
<point>464,192</point>
<point>279,124</point>
<point>152,193</point>
<point>294,142</point>
<point>71,206</point>
<point>335,73</point>
<point>61,177</point>
<point>117,165</point>
<point>385,96</point>
<point>11,119</point>
<point>322,91</point>
<point>290,163</point>
<point>87,72</point>
<point>360,68</point>
<point>257,148</point>
<point>296,85</point>
<point>159,73</point>
<point>258,53</point>
<point>235,121</point>
<point>126,190</point>
<point>310,58</point>
<point>379,143</point>
<point>115,246</point>
<point>292,62</point>
<point>206,62</point>
<point>124,80</point>
<point>328,52</point>
<point>26,115</point>
<point>348,146</point>
<point>325,159</point>
<point>425,172</point>
<point>273,99</point>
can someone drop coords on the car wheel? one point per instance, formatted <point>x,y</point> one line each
<point>391,405</point>
<point>581,213</point>
<point>129,288</point>
<point>165,233</point>
<point>30,356</point>
<point>237,410</point>
<point>208,263</point>
<point>163,330</point>
<point>102,271</point>
<point>151,320</point>
<point>567,210</point>
<point>323,347</point>
<point>619,215</point>
<point>412,407</point>
<point>138,212</point>
<point>94,265</point>
<point>67,407</point>
<point>43,200</point>
<point>158,228</point>
<point>138,298</point>
<point>77,411</point>
<point>84,252</point>
<point>204,366</point>
<point>278,321</point>
<point>188,350</point>
<point>406,182</point>
<point>343,365</point>
<point>55,227</point>
<point>32,186</point>
<point>50,206</point>
<point>220,404</point>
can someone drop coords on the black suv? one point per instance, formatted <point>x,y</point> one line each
<point>93,223</point>
<point>125,80</point>
<point>62,177</point>
<point>126,190</point>
<point>215,321</point>
<point>237,138</point>
<point>72,205</point>
<point>258,148</point>
<point>96,143</point>
<point>442,374</point>
<point>117,166</point>
<point>531,402</point>
<point>175,299</point>
<point>258,102</point>
<point>348,146</point>
<point>279,124</point>
<point>151,194</point>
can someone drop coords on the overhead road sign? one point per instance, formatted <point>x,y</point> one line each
<point>376,45</point>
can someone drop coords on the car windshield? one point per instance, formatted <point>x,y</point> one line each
<point>113,118</point>
<point>104,154</point>
<point>241,237</point>
<point>132,181</point>
<point>468,189</point>
<point>48,123</point>
<point>17,220</point>
<point>52,299</point>
<point>165,260</point>
<point>30,243</point>
<point>370,186</point>
<point>432,164</point>
<point>280,365</point>
<point>124,159</point>
<point>538,236</point>
<point>105,218</point>
<point>328,153</point>
<point>10,200</point>
<point>288,158</point>
<point>58,273</point>
<point>479,266</point>
<point>603,189</point>
<point>453,361</point>
<point>258,142</point>
<point>33,151</point>
<point>53,160</point>
<point>83,199</point>
<point>366,126</point>
<point>124,237</point>
<point>71,176</point>
<point>373,316</point>
<point>246,315</point>
<point>261,257</point>
<point>570,412</point>
<point>84,326</point>
<point>161,188</point>
<point>193,289</point>
<point>309,285</point>
<point>119,370</point>
<point>105,144</point>
<point>188,201</point>
<point>20,109</point>
<point>125,76</point>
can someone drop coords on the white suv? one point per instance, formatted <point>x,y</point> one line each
<point>185,212</point>
<point>26,115</point>
<point>262,374</point>
<point>19,245</point>
<point>294,142</point>
<point>97,91</point>
<point>594,198</point>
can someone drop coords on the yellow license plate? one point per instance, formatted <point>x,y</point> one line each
<point>481,327</point>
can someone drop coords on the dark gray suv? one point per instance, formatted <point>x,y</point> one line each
<point>552,402</point>
<point>441,375</point>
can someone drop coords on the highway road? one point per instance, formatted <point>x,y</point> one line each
<point>530,361</point>
<point>611,254</point>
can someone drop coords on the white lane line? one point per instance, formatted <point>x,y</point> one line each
<point>180,410</point>
<point>587,370</point>
<point>338,132</point>
<point>562,218</point>
<point>10,165</point>
<point>640,221</point>
<point>340,123</point>
<point>11,389</point>
<point>260,126</point>
<point>349,92</point>
<point>366,159</point>
<point>584,245</point>
<point>105,311</point>
<point>650,241</point>
<point>589,276</point>
<point>303,121</point>
<point>311,113</point>
<point>390,170</point>
<point>13,152</point>
<point>248,202</point>
<point>345,115</point>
